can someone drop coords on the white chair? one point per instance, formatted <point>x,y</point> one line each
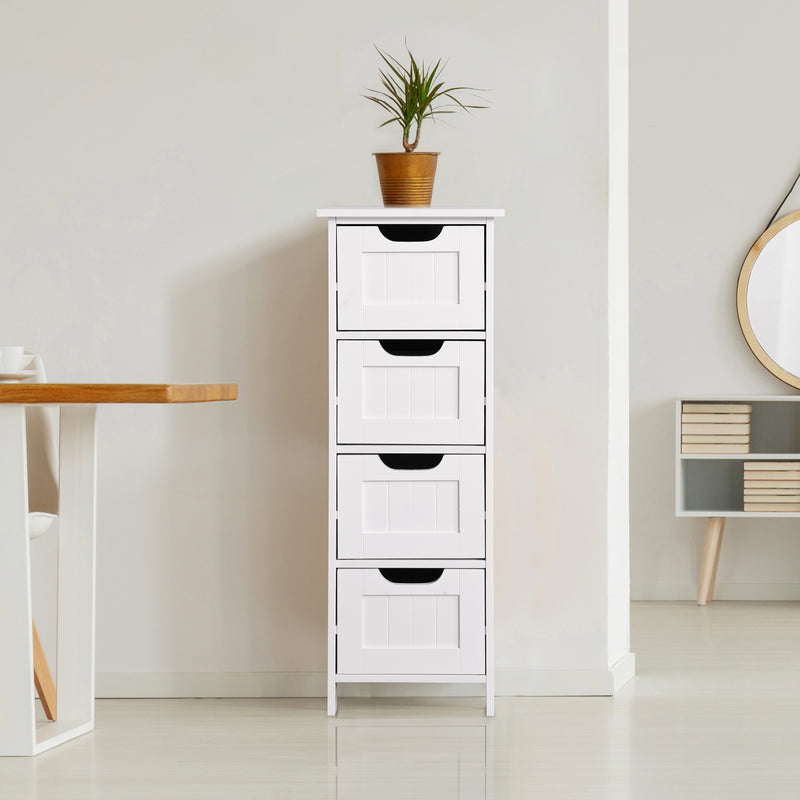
<point>42,468</point>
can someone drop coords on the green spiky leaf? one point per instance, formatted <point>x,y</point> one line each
<point>416,92</point>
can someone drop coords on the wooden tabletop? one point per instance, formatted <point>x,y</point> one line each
<point>117,392</point>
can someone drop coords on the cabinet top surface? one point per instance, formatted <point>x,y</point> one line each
<point>409,212</point>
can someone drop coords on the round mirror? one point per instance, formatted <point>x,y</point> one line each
<point>768,299</point>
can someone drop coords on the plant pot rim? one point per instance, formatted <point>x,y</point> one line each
<point>415,153</point>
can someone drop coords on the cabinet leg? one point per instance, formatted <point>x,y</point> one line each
<point>708,568</point>
<point>331,698</point>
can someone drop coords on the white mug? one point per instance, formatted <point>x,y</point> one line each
<point>11,358</point>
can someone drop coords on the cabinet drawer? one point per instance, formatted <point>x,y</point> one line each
<point>406,621</point>
<point>410,506</point>
<point>433,283</point>
<point>410,392</point>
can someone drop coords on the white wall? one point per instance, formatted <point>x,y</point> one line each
<point>714,147</point>
<point>618,325</point>
<point>162,163</point>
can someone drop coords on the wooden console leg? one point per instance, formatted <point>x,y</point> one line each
<point>43,678</point>
<point>708,568</point>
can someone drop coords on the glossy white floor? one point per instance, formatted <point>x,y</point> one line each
<point>714,712</point>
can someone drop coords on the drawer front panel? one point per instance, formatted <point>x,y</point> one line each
<point>387,627</point>
<point>399,399</point>
<point>425,285</point>
<point>435,512</point>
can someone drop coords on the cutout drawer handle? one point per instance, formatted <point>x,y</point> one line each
<point>411,575</point>
<point>410,233</point>
<point>412,460</point>
<point>411,347</point>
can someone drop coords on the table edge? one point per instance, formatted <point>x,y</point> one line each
<point>89,393</point>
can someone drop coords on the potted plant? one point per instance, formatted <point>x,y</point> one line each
<point>411,94</point>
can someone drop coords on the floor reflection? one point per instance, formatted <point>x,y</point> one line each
<point>446,759</point>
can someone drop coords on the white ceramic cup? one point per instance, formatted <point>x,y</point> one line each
<point>11,358</point>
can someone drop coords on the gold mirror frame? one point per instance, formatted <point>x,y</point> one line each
<point>741,299</point>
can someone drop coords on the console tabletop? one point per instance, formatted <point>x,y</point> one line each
<point>116,392</point>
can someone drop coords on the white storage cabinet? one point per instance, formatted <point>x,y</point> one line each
<point>410,577</point>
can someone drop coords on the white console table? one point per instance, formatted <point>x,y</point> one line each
<point>20,734</point>
<point>711,485</point>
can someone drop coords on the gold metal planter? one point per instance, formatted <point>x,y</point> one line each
<point>406,178</point>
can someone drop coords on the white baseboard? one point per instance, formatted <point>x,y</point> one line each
<point>722,591</point>
<point>566,683</point>
<point>663,591</point>
<point>210,684</point>
<point>530,683</point>
<point>623,671</point>
<point>259,684</point>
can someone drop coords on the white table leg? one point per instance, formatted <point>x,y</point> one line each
<point>17,713</point>
<point>76,564</point>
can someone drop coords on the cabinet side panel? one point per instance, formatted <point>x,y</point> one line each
<point>332,292</point>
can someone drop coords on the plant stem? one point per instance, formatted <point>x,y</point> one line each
<point>410,147</point>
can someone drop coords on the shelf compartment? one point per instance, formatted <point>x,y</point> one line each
<point>775,428</point>
<point>712,486</point>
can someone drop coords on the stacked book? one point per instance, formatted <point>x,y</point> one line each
<point>772,485</point>
<point>715,427</point>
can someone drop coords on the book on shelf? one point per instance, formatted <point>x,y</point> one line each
<point>785,507</point>
<point>772,484</point>
<point>710,449</point>
<point>714,438</point>
<point>773,490</point>
<point>716,418</point>
<point>715,428</point>
<point>771,498</point>
<point>717,408</point>
<point>763,475</point>
<point>772,465</point>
